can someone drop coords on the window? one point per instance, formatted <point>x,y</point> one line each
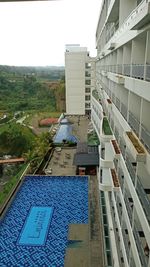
<point>87,74</point>
<point>87,97</point>
<point>88,82</point>
<point>88,65</point>
<point>87,90</point>
<point>87,105</point>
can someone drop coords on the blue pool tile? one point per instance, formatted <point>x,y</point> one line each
<point>68,196</point>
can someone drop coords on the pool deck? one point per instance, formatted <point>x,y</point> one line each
<point>90,252</point>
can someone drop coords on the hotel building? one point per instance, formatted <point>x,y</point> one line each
<point>80,79</point>
<point>120,108</point>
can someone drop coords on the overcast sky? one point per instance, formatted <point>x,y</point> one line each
<point>35,33</point>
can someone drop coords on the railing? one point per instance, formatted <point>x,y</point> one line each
<point>129,20</point>
<point>126,69</point>
<point>129,210</point>
<point>113,97</point>
<point>118,103</point>
<point>145,137</point>
<point>116,133</point>
<point>147,73</point>
<point>119,67</point>
<point>121,178</point>
<point>137,71</point>
<point>143,198</point>
<point>126,242</point>
<point>130,169</point>
<point>139,247</point>
<point>119,211</point>
<point>122,147</point>
<point>123,110</point>
<point>132,70</point>
<point>134,123</point>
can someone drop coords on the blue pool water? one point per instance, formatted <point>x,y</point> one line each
<point>36,226</point>
<point>62,201</point>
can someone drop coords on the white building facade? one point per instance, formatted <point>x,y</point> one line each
<point>120,116</point>
<point>80,79</point>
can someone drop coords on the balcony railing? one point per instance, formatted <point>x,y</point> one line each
<point>119,68</point>
<point>130,169</point>
<point>126,69</point>
<point>116,133</point>
<point>143,198</point>
<point>145,137</point>
<point>139,247</point>
<point>138,71</point>
<point>134,123</point>
<point>148,73</point>
<point>124,111</point>
<point>121,177</point>
<point>95,95</point>
<point>122,147</point>
<point>126,242</point>
<point>118,103</point>
<point>113,97</point>
<point>129,210</point>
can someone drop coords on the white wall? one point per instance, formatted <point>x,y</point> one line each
<point>75,82</point>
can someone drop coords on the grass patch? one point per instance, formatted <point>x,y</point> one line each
<point>93,139</point>
<point>106,128</point>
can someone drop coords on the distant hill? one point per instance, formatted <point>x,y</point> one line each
<point>28,88</point>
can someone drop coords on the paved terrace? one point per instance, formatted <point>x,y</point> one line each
<point>89,251</point>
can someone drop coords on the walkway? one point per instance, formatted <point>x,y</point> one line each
<point>8,161</point>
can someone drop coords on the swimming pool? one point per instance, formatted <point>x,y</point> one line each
<point>49,204</point>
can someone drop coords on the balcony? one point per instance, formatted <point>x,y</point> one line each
<point>137,71</point>
<point>135,147</point>
<point>105,180</point>
<point>95,95</point>
<point>140,15</point>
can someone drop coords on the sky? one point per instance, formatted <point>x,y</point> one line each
<point>35,33</point>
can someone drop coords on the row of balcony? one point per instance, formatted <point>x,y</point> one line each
<point>132,120</point>
<point>139,71</point>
